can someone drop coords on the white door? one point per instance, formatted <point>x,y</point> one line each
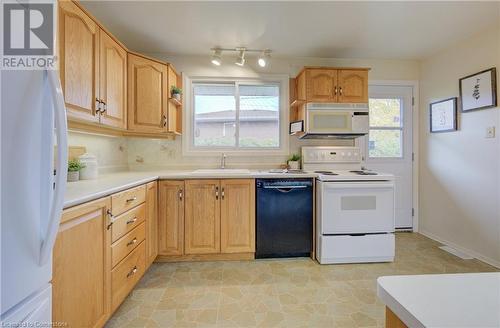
<point>389,146</point>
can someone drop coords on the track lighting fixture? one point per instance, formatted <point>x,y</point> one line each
<point>240,60</point>
<point>264,57</point>
<point>262,60</point>
<point>216,57</point>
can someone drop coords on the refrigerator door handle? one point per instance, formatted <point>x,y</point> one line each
<point>61,167</point>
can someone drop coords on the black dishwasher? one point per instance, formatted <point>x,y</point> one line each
<point>284,217</point>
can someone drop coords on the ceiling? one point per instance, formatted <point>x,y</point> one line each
<point>392,30</point>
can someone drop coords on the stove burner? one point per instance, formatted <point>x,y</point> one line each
<point>326,172</point>
<point>358,172</point>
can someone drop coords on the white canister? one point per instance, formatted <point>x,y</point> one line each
<point>89,172</point>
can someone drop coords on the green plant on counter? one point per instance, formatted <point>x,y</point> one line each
<point>74,165</point>
<point>294,158</point>
<point>175,90</point>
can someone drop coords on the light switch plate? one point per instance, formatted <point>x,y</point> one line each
<point>490,132</point>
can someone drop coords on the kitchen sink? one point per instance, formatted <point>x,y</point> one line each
<point>221,171</point>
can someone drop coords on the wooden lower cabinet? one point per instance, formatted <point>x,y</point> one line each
<point>81,284</point>
<point>202,217</point>
<point>151,222</point>
<point>206,219</point>
<point>237,216</point>
<point>171,218</point>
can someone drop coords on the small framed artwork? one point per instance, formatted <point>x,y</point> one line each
<point>296,127</point>
<point>443,115</point>
<point>479,91</point>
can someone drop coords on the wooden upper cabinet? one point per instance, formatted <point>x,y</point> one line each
<point>78,52</point>
<point>151,222</point>
<point>320,85</point>
<point>171,218</point>
<point>81,283</point>
<point>202,217</point>
<point>113,81</point>
<point>353,86</point>
<point>147,95</point>
<point>237,216</point>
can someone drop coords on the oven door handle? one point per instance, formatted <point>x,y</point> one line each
<point>359,185</point>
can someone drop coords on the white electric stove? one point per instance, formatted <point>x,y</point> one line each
<point>354,207</point>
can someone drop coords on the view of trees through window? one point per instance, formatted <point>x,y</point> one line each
<point>386,128</point>
<point>236,115</point>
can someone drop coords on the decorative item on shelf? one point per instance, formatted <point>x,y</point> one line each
<point>74,167</point>
<point>296,127</point>
<point>443,115</point>
<point>294,162</point>
<point>479,91</point>
<point>89,169</point>
<point>176,93</point>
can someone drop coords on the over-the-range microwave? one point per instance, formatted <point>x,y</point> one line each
<point>327,120</point>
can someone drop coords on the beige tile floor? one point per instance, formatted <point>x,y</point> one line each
<point>277,293</point>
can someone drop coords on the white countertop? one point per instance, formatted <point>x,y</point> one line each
<point>86,190</point>
<point>443,300</point>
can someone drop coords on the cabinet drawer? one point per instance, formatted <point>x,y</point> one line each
<point>123,246</point>
<point>127,273</point>
<point>127,221</point>
<point>125,200</point>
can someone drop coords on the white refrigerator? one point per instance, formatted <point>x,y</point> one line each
<point>33,180</point>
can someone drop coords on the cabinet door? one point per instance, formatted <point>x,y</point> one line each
<point>202,222</point>
<point>174,119</point>
<point>171,218</point>
<point>147,95</point>
<point>237,216</point>
<point>82,266</point>
<point>151,222</point>
<point>353,86</point>
<point>320,85</point>
<point>78,52</point>
<point>113,81</point>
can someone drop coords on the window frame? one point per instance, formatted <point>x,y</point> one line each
<point>388,128</point>
<point>188,147</point>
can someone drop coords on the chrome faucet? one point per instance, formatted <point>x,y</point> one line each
<point>223,161</point>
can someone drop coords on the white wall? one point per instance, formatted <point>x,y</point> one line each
<point>460,171</point>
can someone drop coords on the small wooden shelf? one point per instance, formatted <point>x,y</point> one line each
<point>175,101</point>
<point>297,102</point>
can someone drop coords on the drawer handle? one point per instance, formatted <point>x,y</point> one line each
<point>132,221</point>
<point>133,241</point>
<point>132,272</point>
<point>131,199</point>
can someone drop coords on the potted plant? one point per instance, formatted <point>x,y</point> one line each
<point>176,92</point>
<point>74,167</point>
<point>294,162</point>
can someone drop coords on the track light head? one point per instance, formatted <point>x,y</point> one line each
<point>264,58</point>
<point>240,61</point>
<point>217,57</point>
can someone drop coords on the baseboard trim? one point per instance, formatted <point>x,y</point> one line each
<point>206,257</point>
<point>469,252</point>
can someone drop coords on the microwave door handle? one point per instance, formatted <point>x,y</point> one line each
<point>61,130</point>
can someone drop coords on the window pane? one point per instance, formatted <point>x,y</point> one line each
<point>385,143</point>
<point>259,116</point>
<point>385,112</point>
<point>214,115</point>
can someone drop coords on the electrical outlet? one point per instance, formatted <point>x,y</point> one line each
<point>490,132</point>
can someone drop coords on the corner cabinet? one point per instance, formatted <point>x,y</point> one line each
<point>335,85</point>
<point>81,266</point>
<point>93,69</point>
<point>147,95</point>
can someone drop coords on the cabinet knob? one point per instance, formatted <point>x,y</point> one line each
<point>340,91</point>
<point>131,199</point>
<point>180,195</point>
<point>335,91</point>
<point>132,221</point>
<point>164,120</point>
<point>132,272</point>
<point>222,193</point>
<point>217,193</point>
<point>133,241</point>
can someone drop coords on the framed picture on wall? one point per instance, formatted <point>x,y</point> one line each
<point>296,127</point>
<point>479,91</point>
<point>443,115</point>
